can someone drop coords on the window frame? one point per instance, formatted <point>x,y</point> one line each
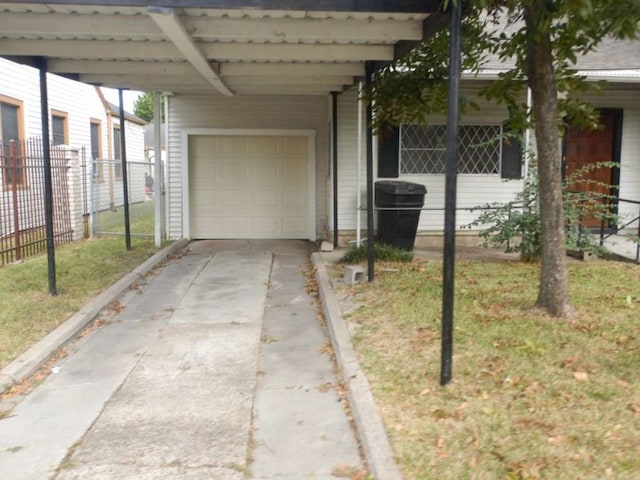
<point>64,116</point>
<point>19,106</point>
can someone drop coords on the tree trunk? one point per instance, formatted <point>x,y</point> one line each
<point>553,294</point>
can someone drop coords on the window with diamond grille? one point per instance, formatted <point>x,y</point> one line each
<point>423,149</point>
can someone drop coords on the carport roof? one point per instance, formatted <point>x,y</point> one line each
<point>220,47</point>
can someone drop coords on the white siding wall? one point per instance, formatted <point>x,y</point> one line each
<point>473,190</point>
<point>250,112</point>
<point>348,162</point>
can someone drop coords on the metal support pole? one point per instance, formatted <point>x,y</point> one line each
<point>334,138</point>
<point>450,195</point>
<point>157,169</point>
<point>359,172</point>
<point>369,116</point>
<point>125,177</point>
<point>48,185</point>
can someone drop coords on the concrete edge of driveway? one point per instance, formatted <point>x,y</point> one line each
<point>31,360</point>
<point>373,436</point>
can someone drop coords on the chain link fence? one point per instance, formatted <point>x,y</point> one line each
<point>106,199</point>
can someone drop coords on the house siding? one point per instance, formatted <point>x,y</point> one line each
<point>348,162</point>
<point>250,112</point>
<point>473,190</point>
<point>477,189</point>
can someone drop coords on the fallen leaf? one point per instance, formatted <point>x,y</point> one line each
<point>582,376</point>
<point>344,471</point>
<point>425,392</point>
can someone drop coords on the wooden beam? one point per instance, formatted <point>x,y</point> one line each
<point>279,69</point>
<point>128,50</point>
<point>398,6</point>
<point>75,24</point>
<point>285,80</point>
<point>91,49</point>
<point>126,79</point>
<point>292,30</point>
<point>291,69</point>
<point>122,67</point>
<point>296,53</point>
<point>170,24</point>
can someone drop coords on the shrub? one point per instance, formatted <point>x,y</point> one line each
<point>382,252</point>
<point>516,226</point>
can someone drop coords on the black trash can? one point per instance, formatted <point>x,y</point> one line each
<point>400,204</point>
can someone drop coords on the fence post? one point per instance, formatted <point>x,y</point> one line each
<point>74,187</point>
<point>16,208</point>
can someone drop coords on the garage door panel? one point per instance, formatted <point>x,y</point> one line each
<point>233,144</point>
<point>294,224</point>
<point>267,198</point>
<point>248,187</point>
<point>266,174</point>
<point>263,145</point>
<point>295,145</point>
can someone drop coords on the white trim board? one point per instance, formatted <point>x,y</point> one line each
<point>311,166</point>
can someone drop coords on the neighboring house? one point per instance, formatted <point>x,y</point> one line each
<point>80,118</point>
<point>249,118</point>
<point>108,169</point>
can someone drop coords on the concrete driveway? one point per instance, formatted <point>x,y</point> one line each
<point>216,368</point>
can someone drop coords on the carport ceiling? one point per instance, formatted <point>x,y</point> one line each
<point>223,47</point>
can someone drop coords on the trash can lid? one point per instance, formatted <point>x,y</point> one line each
<point>400,187</point>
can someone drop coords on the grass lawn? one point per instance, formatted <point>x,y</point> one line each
<point>532,397</point>
<point>28,313</point>
<point>141,216</point>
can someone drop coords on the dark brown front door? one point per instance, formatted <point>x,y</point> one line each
<point>587,147</point>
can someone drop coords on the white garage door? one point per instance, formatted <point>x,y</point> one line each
<point>248,186</point>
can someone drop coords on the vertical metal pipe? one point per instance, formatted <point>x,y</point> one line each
<point>125,178</point>
<point>369,116</point>
<point>359,163</point>
<point>157,169</point>
<point>334,137</point>
<point>450,195</point>
<point>48,185</point>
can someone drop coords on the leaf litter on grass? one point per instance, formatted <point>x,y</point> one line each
<point>532,396</point>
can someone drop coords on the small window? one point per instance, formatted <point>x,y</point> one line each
<point>13,161</point>
<point>423,149</point>
<point>117,156</point>
<point>59,133</point>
